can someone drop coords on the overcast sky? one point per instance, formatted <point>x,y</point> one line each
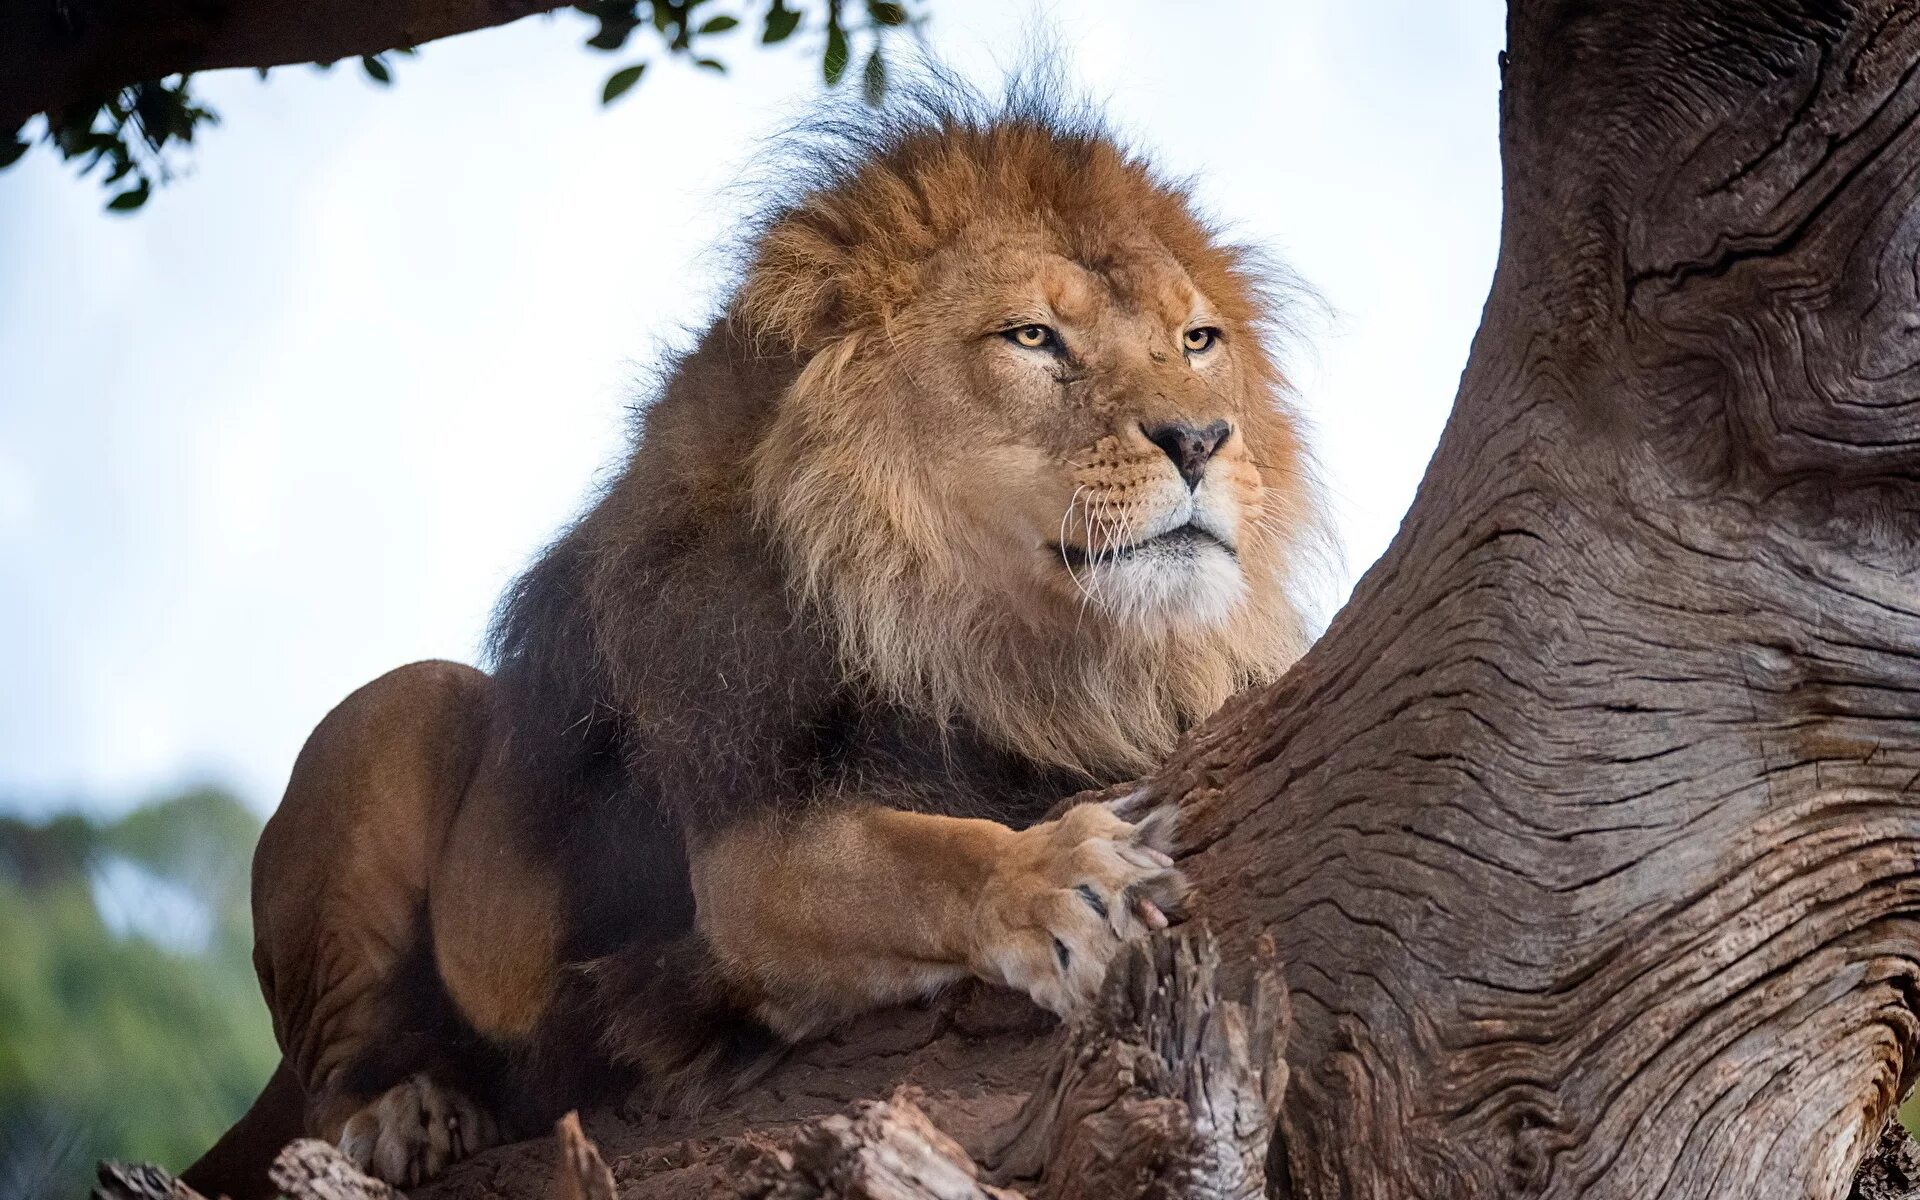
<point>301,419</point>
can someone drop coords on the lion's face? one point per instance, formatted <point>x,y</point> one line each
<point>1102,430</point>
<point>1037,467</point>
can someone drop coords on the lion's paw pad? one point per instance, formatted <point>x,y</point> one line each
<point>415,1130</point>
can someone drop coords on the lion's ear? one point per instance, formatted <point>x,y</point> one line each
<point>794,291</point>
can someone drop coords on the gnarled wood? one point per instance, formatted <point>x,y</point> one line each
<point>1168,1089</point>
<point>1166,1086</point>
<point>1892,1171</point>
<point>887,1150</point>
<point>312,1170</point>
<point>139,1181</point>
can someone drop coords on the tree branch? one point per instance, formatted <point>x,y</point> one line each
<point>1171,1082</point>
<point>887,1150</point>
<point>57,53</point>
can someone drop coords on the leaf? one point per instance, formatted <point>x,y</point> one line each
<point>781,22</point>
<point>132,198</point>
<point>10,151</point>
<point>376,69</point>
<point>883,13</point>
<point>617,23</point>
<point>156,107</point>
<point>834,64</point>
<point>620,82</point>
<point>873,82</point>
<point>711,64</point>
<point>719,25</point>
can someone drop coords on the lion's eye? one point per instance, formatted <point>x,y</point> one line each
<point>1201,340</point>
<point>1033,337</point>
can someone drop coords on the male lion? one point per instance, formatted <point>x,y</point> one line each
<point>982,490</point>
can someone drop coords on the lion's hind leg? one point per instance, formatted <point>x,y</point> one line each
<point>387,1066</point>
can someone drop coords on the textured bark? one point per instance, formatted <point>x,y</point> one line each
<point>1168,1089</point>
<point>1167,1086</point>
<point>139,1181</point>
<point>1892,1171</point>
<point>312,1170</point>
<point>1589,833</point>
<point>305,1170</point>
<point>888,1150</point>
<point>55,52</point>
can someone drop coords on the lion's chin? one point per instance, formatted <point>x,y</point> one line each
<point>1190,580</point>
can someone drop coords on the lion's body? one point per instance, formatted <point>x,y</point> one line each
<point>770,728</point>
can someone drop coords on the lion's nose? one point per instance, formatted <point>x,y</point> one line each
<point>1189,446</point>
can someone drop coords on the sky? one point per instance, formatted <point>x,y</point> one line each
<point>303,417</point>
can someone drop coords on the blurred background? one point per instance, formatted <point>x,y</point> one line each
<point>302,416</point>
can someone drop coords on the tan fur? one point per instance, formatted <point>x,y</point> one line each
<point>342,869</point>
<point>495,918</point>
<point>793,906</point>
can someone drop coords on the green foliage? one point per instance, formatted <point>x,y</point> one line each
<point>683,28</point>
<point>833,64</point>
<point>134,133</point>
<point>620,81</point>
<point>780,24</point>
<point>112,1046</point>
<point>127,134</point>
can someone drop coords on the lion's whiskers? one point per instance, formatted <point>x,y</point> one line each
<point>1091,551</point>
<point>1065,559</point>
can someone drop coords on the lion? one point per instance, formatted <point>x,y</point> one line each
<point>983,487</point>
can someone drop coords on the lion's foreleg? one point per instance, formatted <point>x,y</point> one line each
<point>826,915</point>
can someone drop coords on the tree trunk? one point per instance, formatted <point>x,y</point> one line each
<point>1589,833</point>
<point>56,52</point>
<point>1588,838</point>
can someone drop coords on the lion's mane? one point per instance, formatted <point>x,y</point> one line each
<point>787,436</point>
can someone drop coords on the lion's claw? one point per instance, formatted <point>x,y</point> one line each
<point>1068,894</point>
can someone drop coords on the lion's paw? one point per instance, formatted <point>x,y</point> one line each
<point>1068,894</point>
<point>413,1131</point>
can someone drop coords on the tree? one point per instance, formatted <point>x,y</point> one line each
<point>1587,840</point>
<point>113,80</point>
